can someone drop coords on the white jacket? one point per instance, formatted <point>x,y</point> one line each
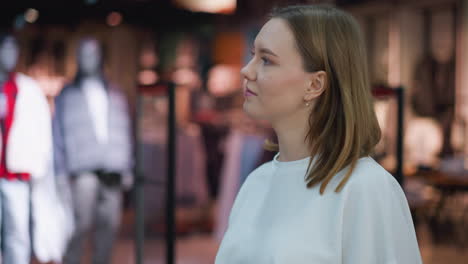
<point>29,145</point>
<point>30,150</point>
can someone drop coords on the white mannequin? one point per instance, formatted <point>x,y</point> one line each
<point>100,129</point>
<point>26,151</point>
<point>91,81</point>
<point>18,250</point>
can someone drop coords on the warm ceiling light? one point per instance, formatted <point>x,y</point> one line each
<point>209,6</point>
<point>114,19</point>
<point>31,15</point>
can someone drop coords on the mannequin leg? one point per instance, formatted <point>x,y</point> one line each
<point>16,233</point>
<point>107,223</point>
<point>84,190</point>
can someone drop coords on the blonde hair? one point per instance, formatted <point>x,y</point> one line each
<point>342,126</point>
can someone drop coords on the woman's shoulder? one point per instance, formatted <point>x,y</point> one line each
<point>370,179</point>
<point>370,172</point>
<point>261,174</point>
<point>377,222</point>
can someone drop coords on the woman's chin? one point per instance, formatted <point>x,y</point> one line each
<point>248,109</point>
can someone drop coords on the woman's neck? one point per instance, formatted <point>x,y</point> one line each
<point>292,139</point>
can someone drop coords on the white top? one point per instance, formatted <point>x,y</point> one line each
<point>98,105</point>
<point>277,220</point>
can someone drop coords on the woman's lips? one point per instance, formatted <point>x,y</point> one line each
<point>249,92</point>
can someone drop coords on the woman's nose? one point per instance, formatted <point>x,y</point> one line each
<point>248,72</point>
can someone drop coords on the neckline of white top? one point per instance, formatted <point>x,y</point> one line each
<point>300,162</point>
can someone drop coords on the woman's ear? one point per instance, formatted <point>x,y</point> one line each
<point>316,85</point>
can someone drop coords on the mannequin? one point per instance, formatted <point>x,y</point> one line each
<point>26,146</point>
<point>433,93</point>
<point>93,147</point>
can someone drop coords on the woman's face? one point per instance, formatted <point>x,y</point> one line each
<point>274,79</point>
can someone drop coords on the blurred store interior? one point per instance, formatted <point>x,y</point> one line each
<point>414,46</point>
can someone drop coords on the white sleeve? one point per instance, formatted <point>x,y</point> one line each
<point>377,223</point>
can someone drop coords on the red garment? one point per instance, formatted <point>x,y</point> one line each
<point>10,90</point>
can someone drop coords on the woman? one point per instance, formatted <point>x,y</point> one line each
<point>322,199</point>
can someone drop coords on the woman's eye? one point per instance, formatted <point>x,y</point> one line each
<point>266,61</point>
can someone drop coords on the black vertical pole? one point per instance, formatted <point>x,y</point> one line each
<point>138,192</point>
<point>370,27</point>
<point>171,172</point>
<point>427,32</point>
<point>400,134</point>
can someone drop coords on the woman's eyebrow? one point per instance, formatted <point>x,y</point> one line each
<point>268,51</point>
<point>263,49</point>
